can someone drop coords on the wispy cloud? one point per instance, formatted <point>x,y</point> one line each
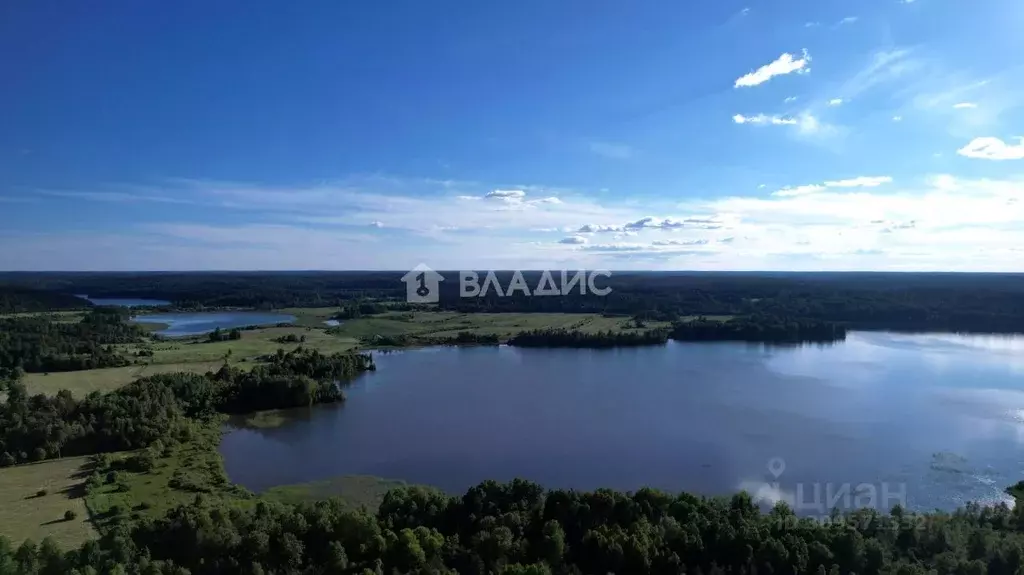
<point>835,102</point>
<point>943,222</point>
<point>610,150</point>
<point>847,20</point>
<point>989,148</point>
<point>964,105</point>
<point>858,182</point>
<point>764,119</point>
<point>785,64</point>
<point>116,196</point>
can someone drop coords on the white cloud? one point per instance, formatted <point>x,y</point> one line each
<point>784,64</point>
<point>615,247</point>
<point>848,20</point>
<point>944,222</point>
<point>764,119</point>
<point>964,105</point>
<point>897,118</point>
<point>610,150</point>
<point>835,101</point>
<point>989,148</point>
<point>811,24</point>
<point>858,182</point>
<point>506,194</point>
<point>376,224</point>
<point>700,242</point>
<point>790,99</point>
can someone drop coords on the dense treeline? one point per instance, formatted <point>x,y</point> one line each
<point>22,300</point>
<point>580,339</point>
<point>41,427</point>
<point>472,338</point>
<point>909,301</point>
<point>224,335</point>
<point>519,528</point>
<point>760,328</point>
<point>40,344</point>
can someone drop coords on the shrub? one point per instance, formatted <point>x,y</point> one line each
<point>41,493</point>
<point>113,477</point>
<point>70,515</point>
<point>7,460</point>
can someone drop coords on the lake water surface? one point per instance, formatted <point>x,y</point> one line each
<point>937,417</point>
<point>182,324</point>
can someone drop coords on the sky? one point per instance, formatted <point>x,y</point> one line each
<point>649,134</point>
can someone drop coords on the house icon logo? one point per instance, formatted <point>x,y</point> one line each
<point>421,285</point>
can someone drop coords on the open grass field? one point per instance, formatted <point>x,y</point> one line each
<point>430,326</point>
<point>81,383</point>
<point>25,515</point>
<point>423,328</point>
<point>181,472</point>
<point>254,343</point>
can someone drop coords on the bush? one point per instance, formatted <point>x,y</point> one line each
<point>141,463</point>
<point>122,487</point>
<point>38,454</point>
<point>113,477</point>
<point>70,515</point>
<point>7,460</point>
<point>41,493</point>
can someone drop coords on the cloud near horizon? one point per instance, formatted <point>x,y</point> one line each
<point>979,222</point>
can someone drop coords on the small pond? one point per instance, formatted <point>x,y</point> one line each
<point>195,323</point>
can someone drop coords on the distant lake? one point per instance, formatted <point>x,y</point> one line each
<point>182,324</point>
<point>125,302</point>
<point>332,323</point>
<point>939,418</point>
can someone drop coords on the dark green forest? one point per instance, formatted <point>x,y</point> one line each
<point>23,300</point>
<point>40,344</point>
<point>862,300</point>
<point>759,328</point>
<point>520,528</point>
<point>579,339</point>
<point>34,428</point>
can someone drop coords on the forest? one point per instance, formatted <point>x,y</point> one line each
<point>34,428</point>
<point>862,300</point>
<point>519,528</point>
<point>580,339</point>
<point>759,328</point>
<point>40,344</point>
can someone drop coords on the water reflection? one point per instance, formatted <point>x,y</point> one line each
<point>701,417</point>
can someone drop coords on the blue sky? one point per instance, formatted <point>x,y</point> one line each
<point>725,134</point>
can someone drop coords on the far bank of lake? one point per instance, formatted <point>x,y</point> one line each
<point>936,418</point>
<point>125,302</point>
<point>195,323</point>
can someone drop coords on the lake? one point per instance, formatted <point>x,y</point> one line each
<point>195,323</point>
<point>938,418</point>
<point>126,302</point>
